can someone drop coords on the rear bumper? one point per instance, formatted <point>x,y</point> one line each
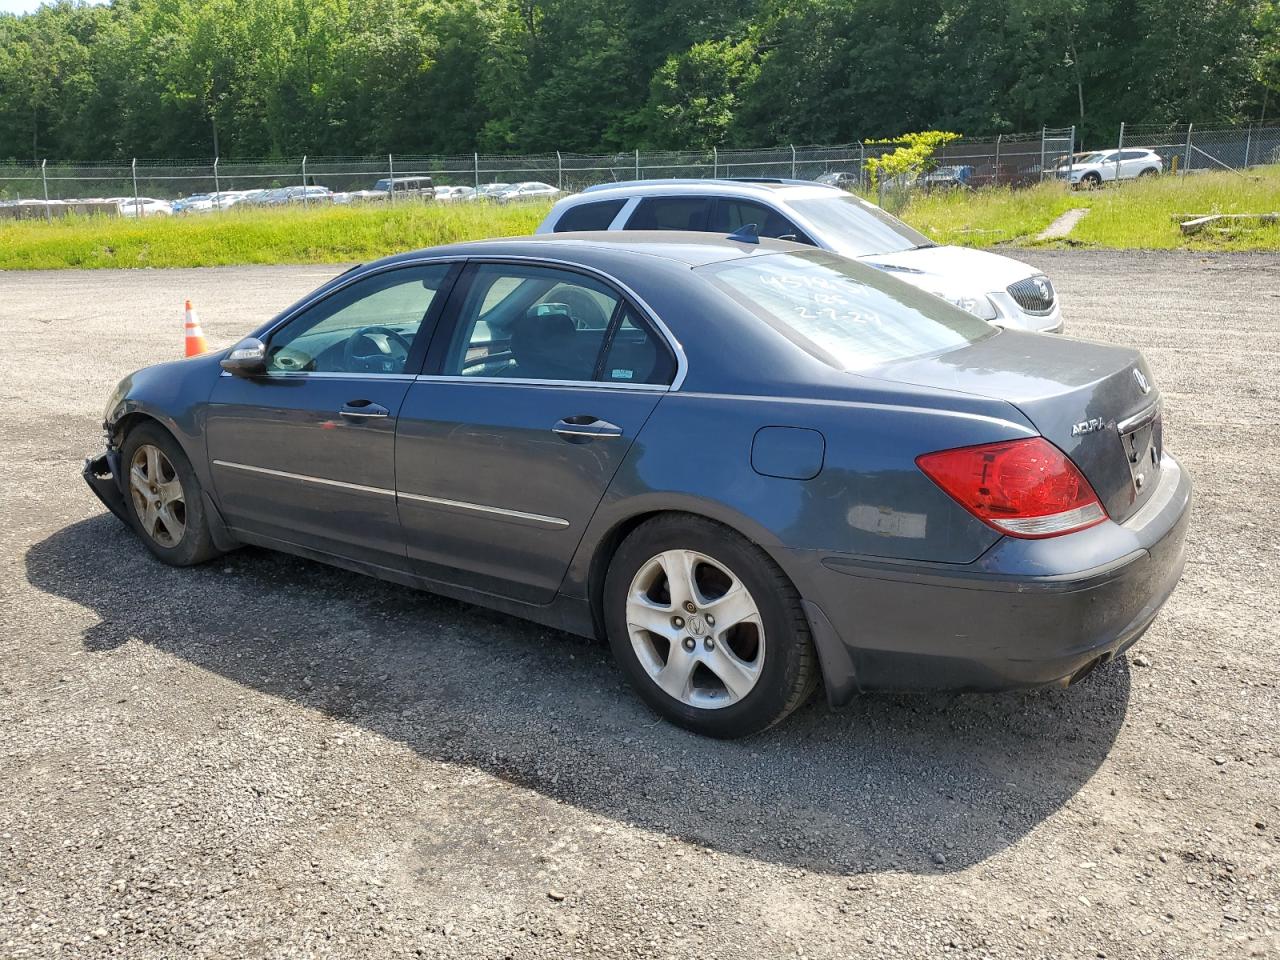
<point>1028,613</point>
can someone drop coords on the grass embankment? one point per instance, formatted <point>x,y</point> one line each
<point>259,235</point>
<point>1139,214</point>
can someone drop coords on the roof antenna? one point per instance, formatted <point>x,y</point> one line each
<point>747,233</point>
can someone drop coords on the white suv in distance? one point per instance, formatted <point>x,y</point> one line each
<point>996,288</point>
<point>1090,170</point>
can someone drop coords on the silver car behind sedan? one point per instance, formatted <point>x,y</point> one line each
<point>996,288</point>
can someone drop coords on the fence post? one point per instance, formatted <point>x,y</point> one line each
<point>637,163</point>
<point>134,167</point>
<point>1119,147</point>
<point>715,163</point>
<point>391,180</point>
<point>476,159</point>
<point>1248,142</point>
<point>793,161</point>
<point>1071,156</point>
<point>996,181</point>
<point>305,201</point>
<point>559,172</point>
<point>1042,133</point>
<point>862,164</point>
<point>217,186</point>
<point>1186,159</point>
<point>44,179</point>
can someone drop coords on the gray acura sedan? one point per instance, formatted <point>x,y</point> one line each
<point>755,467</point>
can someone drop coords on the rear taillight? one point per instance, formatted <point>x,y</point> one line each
<point>1025,488</point>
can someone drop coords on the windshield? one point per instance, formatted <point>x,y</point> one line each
<point>845,312</point>
<point>858,228</point>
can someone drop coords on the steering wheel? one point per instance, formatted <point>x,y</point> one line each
<point>385,360</point>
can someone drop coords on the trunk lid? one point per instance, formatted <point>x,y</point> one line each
<point>1096,403</point>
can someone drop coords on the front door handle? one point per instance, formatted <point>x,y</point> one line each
<point>586,427</point>
<point>363,410</point>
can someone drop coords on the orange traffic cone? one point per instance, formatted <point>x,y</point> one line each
<point>195,336</point>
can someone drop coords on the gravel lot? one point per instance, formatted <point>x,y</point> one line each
<point>267,757</point>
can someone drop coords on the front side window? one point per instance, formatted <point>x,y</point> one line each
<point>542,323</point>
<point>367,327</point>
<point>846,313</point>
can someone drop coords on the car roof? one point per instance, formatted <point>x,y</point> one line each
<point>762,189</point>
<point>690,249</point>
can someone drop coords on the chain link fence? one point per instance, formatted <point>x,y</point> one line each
<point>1011,160</point>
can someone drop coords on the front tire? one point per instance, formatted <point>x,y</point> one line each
<point>708,629</point>
<point>166,503</point>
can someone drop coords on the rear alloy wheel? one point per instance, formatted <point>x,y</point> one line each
<point>168,507</point>
<point>1091,181</point>
<point>709,630</point>
<point>695,629</point>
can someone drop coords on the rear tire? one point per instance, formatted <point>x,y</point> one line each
<point>1091,181</point>
<point>164,498</point>
<point>761,642</point>
<point>1149,172</point>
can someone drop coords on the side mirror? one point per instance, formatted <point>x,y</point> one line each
<point>247,358</point>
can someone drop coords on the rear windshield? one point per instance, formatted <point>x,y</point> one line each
<point>859,228</point>
<point>845,312</point>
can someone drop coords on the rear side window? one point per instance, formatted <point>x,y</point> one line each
<point>589,216</point>
<point>671,213</point>
<point>636,354</point>
<point>732,215</point>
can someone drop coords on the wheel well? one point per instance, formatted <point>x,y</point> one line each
<point>608,546</point>
<point>130,421</point>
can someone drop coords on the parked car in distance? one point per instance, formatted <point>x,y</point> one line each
<point>419,187</point>
<point>142,207</point>
<point>453,194</point>
<point>946,178</point>
<point>841,179</point>
<point>192,203</point>
<point>884,491</point>
<point>489,191</point>
<point>994,287</point>
<point>1106,166</point>
<point>529,190</point>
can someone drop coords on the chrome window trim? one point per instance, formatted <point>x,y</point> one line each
<point>558,522</point>
<point>517,382</point>
<point>304,478</point>
<point>324,375</point>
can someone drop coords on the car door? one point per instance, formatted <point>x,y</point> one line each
<point>504,449</point>
<point>305,453</point>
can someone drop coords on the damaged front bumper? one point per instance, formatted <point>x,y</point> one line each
<point>102,473</point>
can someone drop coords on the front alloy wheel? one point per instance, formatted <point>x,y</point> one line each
<point>157,496</point>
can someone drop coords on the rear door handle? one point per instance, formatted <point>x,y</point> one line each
<point>586,427</point>
<point>363,410</point>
